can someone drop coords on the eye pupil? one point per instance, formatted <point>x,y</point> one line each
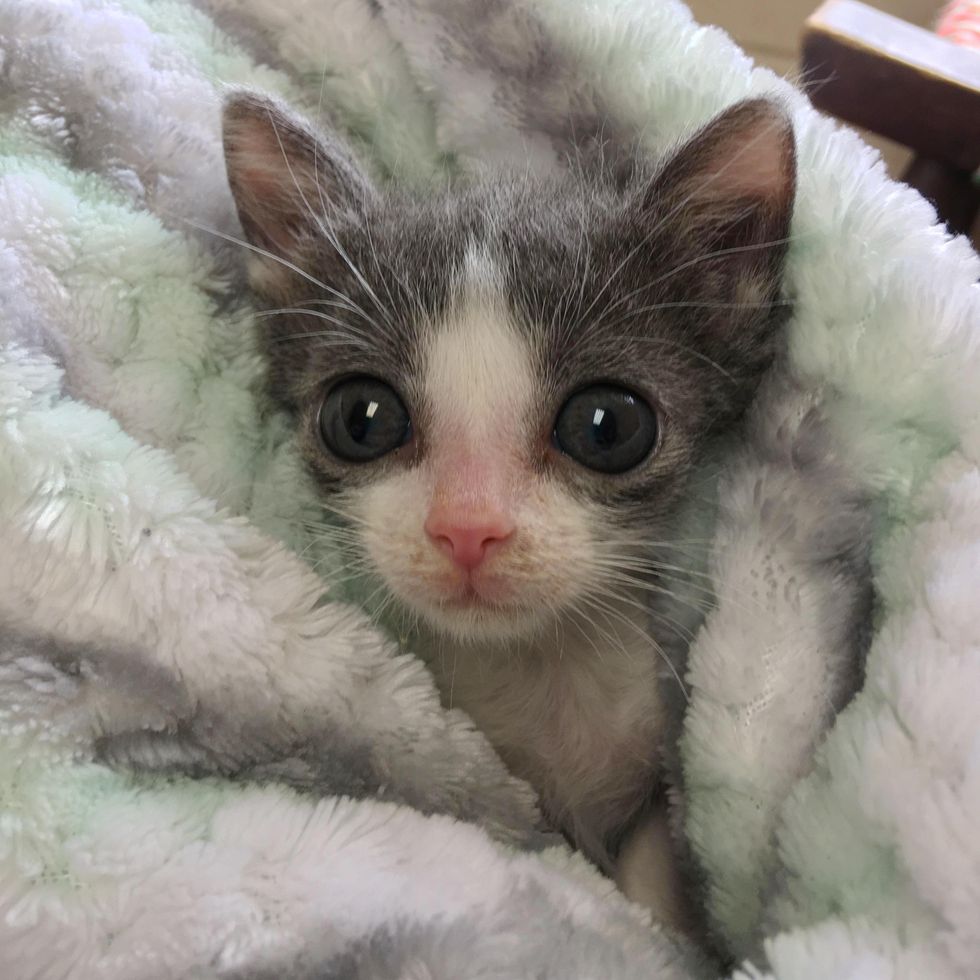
<point>359,419</point>
<point>606,428</point>
<point>363,419</point>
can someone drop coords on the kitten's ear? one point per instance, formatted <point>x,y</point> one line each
<point>732,187</point>
<point>291,187</point>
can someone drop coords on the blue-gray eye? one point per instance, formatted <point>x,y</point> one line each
<point>606,428</point>
<point>362,419</point>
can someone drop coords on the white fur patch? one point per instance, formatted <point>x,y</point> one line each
<point>480,382</point>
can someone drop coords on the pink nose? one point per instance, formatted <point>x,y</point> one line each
<point>467,541</point>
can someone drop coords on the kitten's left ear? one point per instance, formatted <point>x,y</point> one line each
<point>292,188</point>
<point>731,187</point>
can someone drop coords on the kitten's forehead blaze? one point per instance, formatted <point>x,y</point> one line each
<point>479,379</point>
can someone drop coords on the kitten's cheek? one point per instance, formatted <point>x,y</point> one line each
<point>413,566</point>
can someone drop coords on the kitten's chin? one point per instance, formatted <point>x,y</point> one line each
<point>472,620</point>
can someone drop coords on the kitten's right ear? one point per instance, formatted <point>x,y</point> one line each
<point>291,187</point>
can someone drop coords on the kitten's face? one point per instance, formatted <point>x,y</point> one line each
<point>505,388</point>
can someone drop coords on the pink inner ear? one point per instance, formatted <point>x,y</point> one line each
<point>752,158</point>
<point>263,171</point>
<point>253,145</point>
<point>262,163</point>
<point>284,179</point>
<point>273,207</point>
<point>259,180</point>
<point>756,168</point>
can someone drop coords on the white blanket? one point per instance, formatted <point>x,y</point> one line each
<point>212,764</point>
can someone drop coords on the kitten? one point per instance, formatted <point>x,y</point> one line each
<point>505,387</point>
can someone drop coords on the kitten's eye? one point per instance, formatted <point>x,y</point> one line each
<point>606,428</point>
<point>362,419</point>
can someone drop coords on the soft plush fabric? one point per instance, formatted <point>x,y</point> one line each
<point>213,764</point>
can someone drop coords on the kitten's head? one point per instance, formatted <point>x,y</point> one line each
<point>505,387</point>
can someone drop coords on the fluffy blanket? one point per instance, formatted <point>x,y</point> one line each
<point>212,762</point>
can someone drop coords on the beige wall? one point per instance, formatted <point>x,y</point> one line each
<point>769,30</point>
